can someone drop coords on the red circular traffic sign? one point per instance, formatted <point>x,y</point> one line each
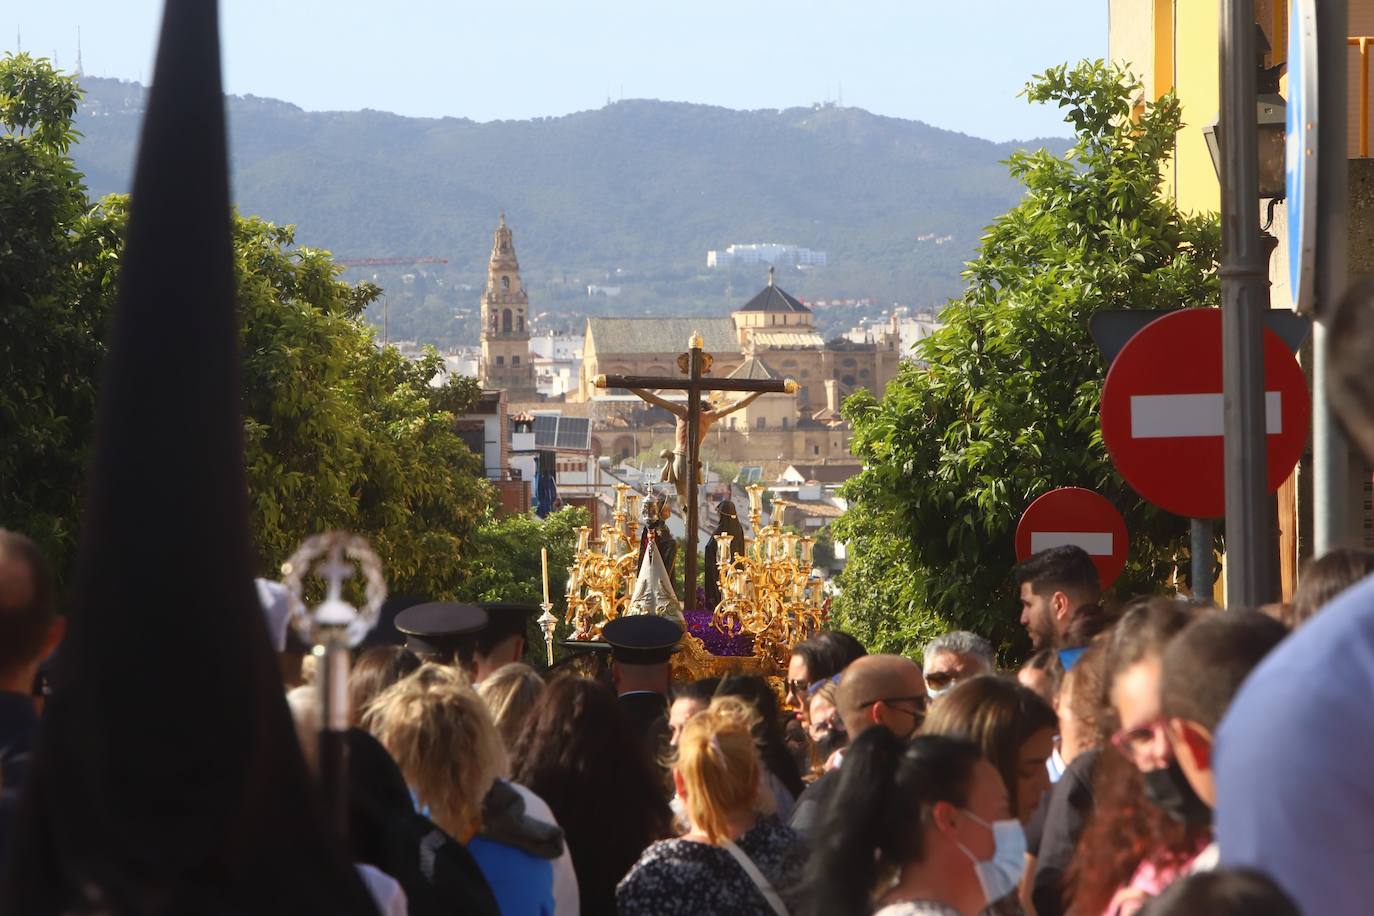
<point>1162,412</point>
<point>1073,515</point>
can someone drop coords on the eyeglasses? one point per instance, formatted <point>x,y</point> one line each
<point>1135,743</point>
<point>920,702</point>
<point>939,679</point>
<point>797,688</point>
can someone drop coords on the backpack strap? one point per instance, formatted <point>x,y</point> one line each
<point>762,883</point>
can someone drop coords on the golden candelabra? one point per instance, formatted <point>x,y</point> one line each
<point>602,576</point>
<point>766,592</point>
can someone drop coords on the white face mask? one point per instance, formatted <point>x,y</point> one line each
<point>1000,875</point>
<point>934,692</point>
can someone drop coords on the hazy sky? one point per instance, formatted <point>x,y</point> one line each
<point>956,64</point>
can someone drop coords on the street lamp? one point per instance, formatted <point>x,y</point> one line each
<point>1271,114</point>
<point>1270,125</point>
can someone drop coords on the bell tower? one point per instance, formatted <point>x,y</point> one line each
<point>505,321</point>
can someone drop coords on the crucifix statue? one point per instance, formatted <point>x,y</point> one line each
<point>692,423</point>
<point>676,462</point>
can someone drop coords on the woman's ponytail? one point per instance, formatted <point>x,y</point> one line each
<point>843,869</point>
<point>875,819</point>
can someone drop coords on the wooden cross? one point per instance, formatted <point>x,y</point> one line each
<point>694,364</point>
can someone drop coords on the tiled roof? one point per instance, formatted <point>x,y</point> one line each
<point>609,336</point>
<point>788,340</point>
<point>774,299</point>
<point>753,368</point>
<point>815,509</point>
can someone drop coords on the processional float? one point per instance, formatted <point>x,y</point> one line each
<point>768,602</point>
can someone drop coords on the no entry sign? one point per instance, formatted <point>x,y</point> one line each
<point>1073,515</point>
<point>1162,412</point>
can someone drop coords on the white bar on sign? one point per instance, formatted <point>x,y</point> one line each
<point>1096,543</point>
<point>1171,416</point>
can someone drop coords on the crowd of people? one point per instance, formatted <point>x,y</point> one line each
<point>1083,782</point>
<point>1158,756</point>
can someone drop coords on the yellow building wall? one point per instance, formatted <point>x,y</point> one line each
<point>1197,76</point>
<point>1130,36</point>
<point>1173,44</point>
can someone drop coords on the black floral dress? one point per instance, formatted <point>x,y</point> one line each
<point>697,879</point>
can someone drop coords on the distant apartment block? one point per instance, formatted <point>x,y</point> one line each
<point>909,325</point>
<point>765,253</point>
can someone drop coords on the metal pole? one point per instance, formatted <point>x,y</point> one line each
<point>1330,459</point>
<point>1332,509</point>
<point>1200,557</point>
<point>1251,578</point>
<point>332,695</point>
<point>689,575</point>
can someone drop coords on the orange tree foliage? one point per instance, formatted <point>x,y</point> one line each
<point>1001,403</point>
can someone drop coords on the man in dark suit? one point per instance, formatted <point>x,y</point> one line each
<point>641,646</point>
<point>503,640</point>
<point>444,632</point>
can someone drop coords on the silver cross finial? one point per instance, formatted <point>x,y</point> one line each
<point>334,570</point>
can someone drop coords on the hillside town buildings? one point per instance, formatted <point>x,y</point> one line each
<point>541,391</point>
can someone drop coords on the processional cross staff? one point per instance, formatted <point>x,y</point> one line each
<point>334,627</point>
<point>691,429</point>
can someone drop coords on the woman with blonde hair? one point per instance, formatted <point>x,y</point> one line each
<point>734,859</point>
<point>440,734</point>
<point>510,692</point>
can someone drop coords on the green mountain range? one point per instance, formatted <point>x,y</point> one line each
<point>631,195</point>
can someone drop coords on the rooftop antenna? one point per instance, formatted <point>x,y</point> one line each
<point>841,99</point>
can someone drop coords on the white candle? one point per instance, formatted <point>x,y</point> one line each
<point>544,560</point>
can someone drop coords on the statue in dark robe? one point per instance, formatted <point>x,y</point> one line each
<point>728,524</point>
<point>653,517</point>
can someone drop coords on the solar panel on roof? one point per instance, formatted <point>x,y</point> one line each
<point>574,433</point>
<point>545,430</point>
<point>555,431</point>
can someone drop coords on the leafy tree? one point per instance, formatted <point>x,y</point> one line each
<point>338,433</point>
<point>55,281</point>
<point>1003,402</point>
<point>823,553</point>
<point>341,433</point>
<point>507,565</point>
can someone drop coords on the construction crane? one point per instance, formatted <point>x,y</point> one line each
<point>390,262</point>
